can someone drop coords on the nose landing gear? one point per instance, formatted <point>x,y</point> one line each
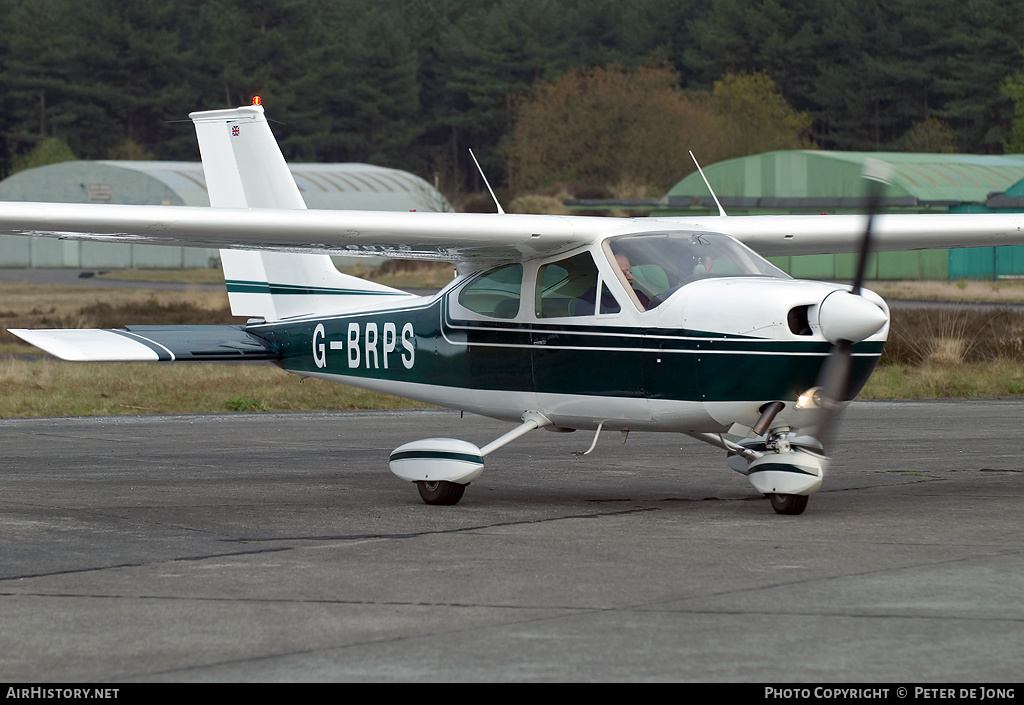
<point>783,466</point>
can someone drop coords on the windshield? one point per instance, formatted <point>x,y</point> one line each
<point>660,263</point>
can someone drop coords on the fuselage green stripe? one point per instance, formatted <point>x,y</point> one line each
<point>247,287</point>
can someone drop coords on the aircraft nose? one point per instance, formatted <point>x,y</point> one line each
<point>846,316</point>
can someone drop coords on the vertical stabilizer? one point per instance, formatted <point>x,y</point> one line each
<point>244,168</point>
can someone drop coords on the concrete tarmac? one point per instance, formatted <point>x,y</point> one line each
<point>278,547</point>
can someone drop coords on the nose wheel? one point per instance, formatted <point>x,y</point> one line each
<point>788,503</point>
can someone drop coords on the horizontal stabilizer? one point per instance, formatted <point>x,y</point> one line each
<point>152,343</point>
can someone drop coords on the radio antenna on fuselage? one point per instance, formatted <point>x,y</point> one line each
<point>488,185</point>
<point>721,211</point>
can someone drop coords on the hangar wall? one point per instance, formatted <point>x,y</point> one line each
<point>323,186</point>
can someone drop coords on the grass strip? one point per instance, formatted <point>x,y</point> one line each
<point>50,388</point>
<point>997,379</point>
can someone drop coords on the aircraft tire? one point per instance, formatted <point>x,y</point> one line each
<point>788,503</point>
<point>441,492</point>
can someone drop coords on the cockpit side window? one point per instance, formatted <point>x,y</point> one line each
<point>569,287</point>
<point>608,302</point>
<point>496,294</point>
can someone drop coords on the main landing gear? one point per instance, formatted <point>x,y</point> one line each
<point>443,467</point>
<point>441,491</point>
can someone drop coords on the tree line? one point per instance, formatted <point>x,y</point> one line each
<point>414,83</point>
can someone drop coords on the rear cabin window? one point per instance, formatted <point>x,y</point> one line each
<point>496,293</point>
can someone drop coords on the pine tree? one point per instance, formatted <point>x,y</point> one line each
<point>37,49</point>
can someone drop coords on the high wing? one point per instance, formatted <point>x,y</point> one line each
<point>436,236</point>
<point>772,235</point>
<point>465,237</point>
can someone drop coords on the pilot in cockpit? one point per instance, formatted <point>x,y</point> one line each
<point>623,263</point>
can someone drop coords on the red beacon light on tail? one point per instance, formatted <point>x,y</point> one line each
<point>256,100</point>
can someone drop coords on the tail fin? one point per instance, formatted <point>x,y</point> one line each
<point>244,168</point>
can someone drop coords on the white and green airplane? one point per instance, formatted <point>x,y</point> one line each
<point>563,322</point>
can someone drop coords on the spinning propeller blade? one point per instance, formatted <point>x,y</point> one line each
<point>833,382</point>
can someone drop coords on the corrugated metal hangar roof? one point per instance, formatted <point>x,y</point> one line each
<point>323,186</point>
<point>818,179</point>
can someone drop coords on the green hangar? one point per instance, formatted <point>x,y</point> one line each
<point>808,181</point>
<point>323,186</point>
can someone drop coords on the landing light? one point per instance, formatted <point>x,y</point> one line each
<point>812,397</point>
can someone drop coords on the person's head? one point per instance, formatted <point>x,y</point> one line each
<point>623,263</point>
